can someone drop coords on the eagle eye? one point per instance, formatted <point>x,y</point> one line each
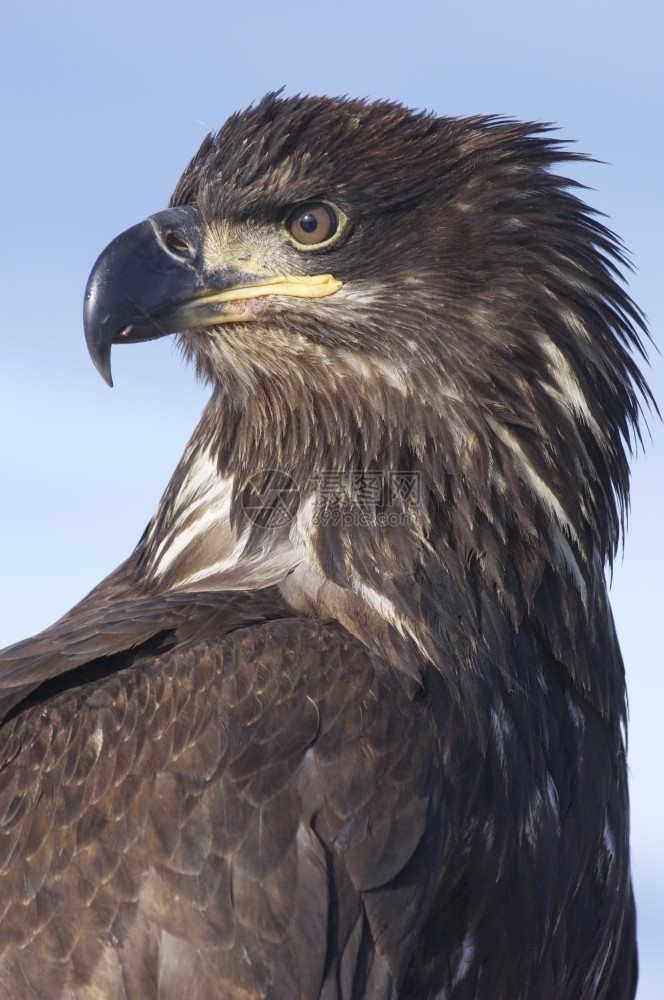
<point>313,224</point>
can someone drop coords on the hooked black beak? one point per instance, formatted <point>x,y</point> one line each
<point>139,280</point>
<point>152,281</point>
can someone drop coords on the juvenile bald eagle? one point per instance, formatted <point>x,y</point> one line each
<point>349,721</point>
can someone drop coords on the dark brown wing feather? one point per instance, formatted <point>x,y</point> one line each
<point>238,817</point>
<point>115,619</point>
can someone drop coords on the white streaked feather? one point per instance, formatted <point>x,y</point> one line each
<point>566,553</point>
<point>609,840</point>
<point>388,611</point>
<point>177,539</point>
<point>570,390</point>
<point>465,959</point>
<point>534,481</point>
<point>243,569</point>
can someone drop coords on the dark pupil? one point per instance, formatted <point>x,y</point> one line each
<point>309,222</point>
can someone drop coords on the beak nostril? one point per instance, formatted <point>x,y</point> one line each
<point>175,242</point>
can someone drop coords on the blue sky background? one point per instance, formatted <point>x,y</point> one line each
<point>101,110</point>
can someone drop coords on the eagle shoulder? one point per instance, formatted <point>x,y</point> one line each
<point>248,811</point>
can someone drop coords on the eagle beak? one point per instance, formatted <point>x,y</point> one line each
<point>152,281</point>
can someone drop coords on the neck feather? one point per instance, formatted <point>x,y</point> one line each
<point>434,556</point>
